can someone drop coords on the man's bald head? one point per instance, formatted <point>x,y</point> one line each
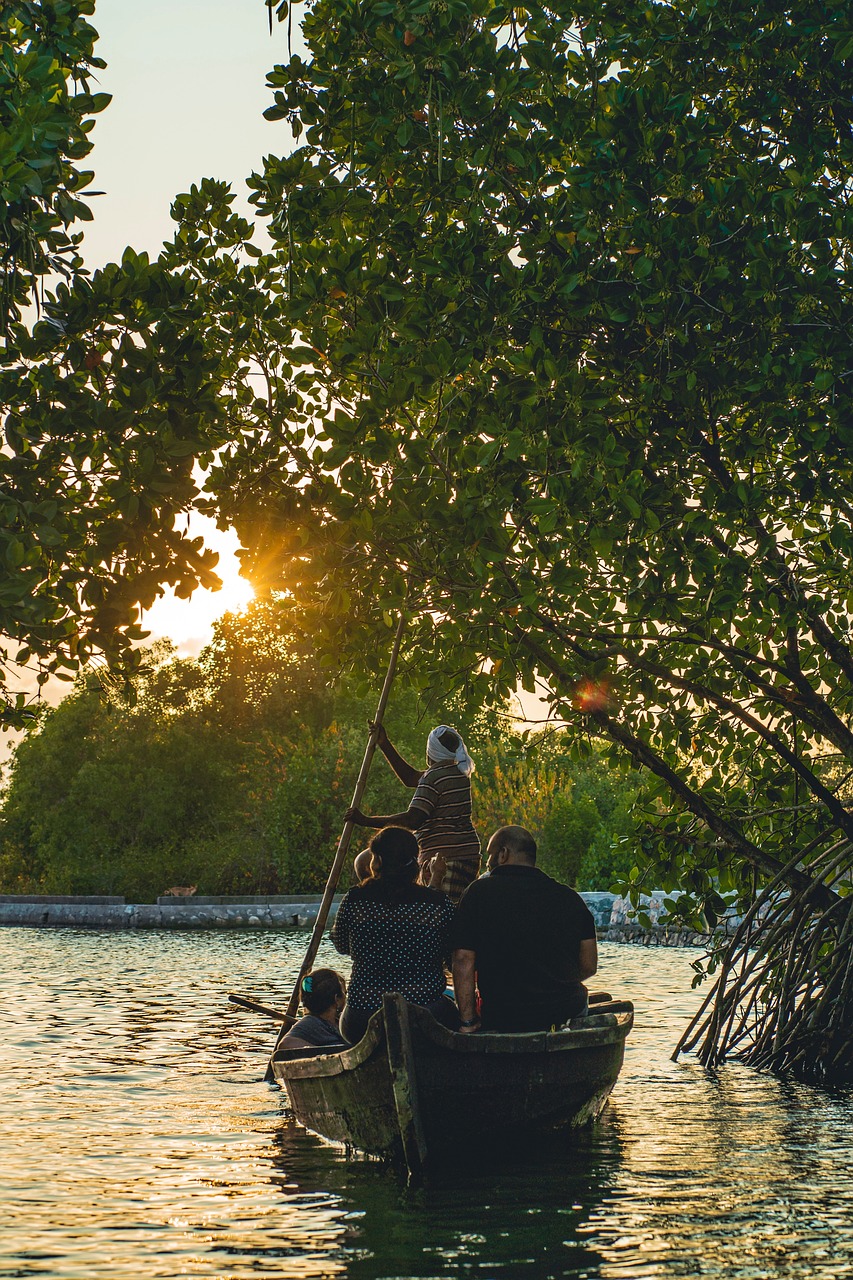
<point>511,846</point>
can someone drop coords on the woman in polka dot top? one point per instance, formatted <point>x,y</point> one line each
<point>396,932</point>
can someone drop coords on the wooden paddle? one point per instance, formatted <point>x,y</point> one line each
<point>256,1007</point>
<point>342,849</point>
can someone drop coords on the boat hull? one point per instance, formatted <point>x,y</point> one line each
<point>412,1087</point>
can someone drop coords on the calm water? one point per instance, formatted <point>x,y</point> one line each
<point>136,1139</point>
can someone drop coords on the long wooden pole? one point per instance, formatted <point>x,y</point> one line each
<point>344,842</point>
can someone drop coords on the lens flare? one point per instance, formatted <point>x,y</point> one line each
<point>592,695</point>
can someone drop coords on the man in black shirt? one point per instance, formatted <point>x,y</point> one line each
<point>525,940</point>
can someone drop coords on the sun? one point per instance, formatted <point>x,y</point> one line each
<point>189,623</point>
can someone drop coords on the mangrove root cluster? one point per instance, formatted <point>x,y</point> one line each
<point>783,998</point>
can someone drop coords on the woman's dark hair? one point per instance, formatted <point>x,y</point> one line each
<point>320,988</point>
<point>394,865</point>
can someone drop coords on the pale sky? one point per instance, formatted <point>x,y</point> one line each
<point>188,85</point>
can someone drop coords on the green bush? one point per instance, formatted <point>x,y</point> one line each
<point>580,812</point>
<point>571,828</point>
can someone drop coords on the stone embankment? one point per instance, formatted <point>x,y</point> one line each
<point>274,912</point>
<point>248,912</point>
<point>614,924</point>
<point>657,936</point>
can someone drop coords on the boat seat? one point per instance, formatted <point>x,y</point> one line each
<point>601,1015</point>
<point>310,1051</point>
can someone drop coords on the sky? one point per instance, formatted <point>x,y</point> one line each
<point>188,85</point>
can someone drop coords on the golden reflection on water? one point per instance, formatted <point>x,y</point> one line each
<point>136,1138</point>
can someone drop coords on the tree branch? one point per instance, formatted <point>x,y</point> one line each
<point>647,756</point>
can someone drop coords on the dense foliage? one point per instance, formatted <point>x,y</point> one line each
<point>110,385</point>
<point>45,123</point>
<point>233,772</point>
<point>583,814</point>
<point>556,350</point>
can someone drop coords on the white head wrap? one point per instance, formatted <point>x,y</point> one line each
<point>438,753</point>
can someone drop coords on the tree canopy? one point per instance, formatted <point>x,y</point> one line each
<point>559,362</point>
<point>111,384</point>
<point>558,356</point>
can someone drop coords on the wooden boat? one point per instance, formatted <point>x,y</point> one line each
<point>412,1090</point>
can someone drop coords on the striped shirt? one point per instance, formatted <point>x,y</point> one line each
<point>444,795</point>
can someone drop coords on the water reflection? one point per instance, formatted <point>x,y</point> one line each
<point>512,1212</point>
<point>136,1137</point>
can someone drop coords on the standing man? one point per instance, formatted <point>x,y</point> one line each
<point>439,812</point>
<point>527,941</point>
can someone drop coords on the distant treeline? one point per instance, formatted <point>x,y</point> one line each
<point>232,773</point>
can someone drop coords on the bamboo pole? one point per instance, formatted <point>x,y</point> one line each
<point>343,844</point>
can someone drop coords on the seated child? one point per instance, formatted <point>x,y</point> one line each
<point>361,866</point>
<point>324,994</point>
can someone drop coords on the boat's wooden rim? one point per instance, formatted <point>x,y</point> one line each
<point>609,1026</point>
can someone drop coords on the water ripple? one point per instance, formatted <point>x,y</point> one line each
<point>136,1137</point>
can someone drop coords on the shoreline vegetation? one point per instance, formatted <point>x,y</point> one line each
<point>231,773</point>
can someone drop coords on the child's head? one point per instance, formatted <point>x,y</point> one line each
<point>361,865</point>
<point>322,989</point>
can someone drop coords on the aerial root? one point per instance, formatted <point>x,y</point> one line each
<point>783,998</point>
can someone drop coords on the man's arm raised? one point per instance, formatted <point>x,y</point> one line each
<point>407,773</point>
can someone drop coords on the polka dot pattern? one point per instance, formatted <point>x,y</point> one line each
<point>395,946</point>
